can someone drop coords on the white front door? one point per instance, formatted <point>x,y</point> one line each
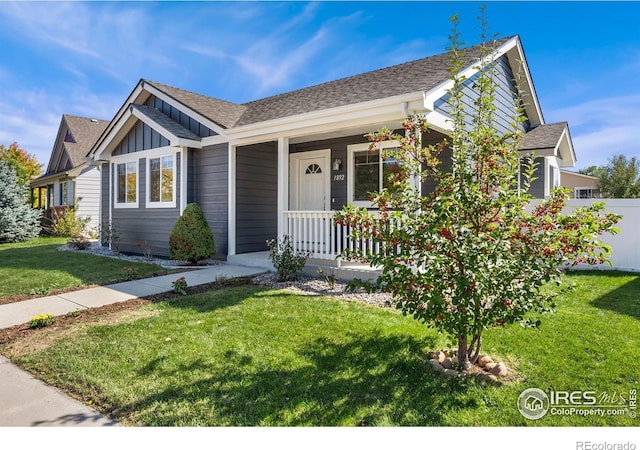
<point>310,182</point>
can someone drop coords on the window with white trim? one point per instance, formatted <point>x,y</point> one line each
<point>369,171</point>
<point>586,192</point>
<point>126,186</point>
<point>63,193</point>
<point>161,181</point>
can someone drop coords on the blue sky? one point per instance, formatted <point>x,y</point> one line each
<point>84,58</point>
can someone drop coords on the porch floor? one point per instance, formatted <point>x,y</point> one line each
<point>346,270</point>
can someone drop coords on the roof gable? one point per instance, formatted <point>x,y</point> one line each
<point>76,136</point>
<point>551,139</point>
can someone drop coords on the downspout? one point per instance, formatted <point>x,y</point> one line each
<point>404,106</point>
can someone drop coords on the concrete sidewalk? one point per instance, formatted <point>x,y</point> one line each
<point>26,401</point>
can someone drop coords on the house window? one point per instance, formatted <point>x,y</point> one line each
<point>369,172</point>
<point>63,193</point>
<point>127,184</point>
<point>585,193</point>
<point>161,189</point>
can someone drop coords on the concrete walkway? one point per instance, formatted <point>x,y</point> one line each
<point>26,401</point>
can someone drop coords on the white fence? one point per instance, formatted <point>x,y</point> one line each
<point>625,246</point>
<point>317,233</point>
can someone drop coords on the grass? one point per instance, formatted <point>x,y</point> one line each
<point>248,356</point>
<point>37,267</point>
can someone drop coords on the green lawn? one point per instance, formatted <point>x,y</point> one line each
<point>249,356</point>
<point>37,267</point>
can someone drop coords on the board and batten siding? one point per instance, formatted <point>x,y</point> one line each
<point>139,227</point>
<point>208,186</point>
<point>506,98</point>
<point>87,193</point>
<point>256,196</point>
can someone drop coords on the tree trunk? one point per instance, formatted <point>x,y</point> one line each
<point>463,355</point>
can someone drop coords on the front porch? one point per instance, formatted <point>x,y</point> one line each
<point>343,270</point>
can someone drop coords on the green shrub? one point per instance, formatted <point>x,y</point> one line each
<point>42,320</point>
<point>180,286</point>
<point>287,262</point>
<point>191,238</point>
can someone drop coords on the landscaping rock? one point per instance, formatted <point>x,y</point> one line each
<point>483,360</point>
<point>436,365</point>
<point>451,372</point>
<point>489,366</point>
<point>500,370</point>
<point>440,356</point>
<point>447,363</point>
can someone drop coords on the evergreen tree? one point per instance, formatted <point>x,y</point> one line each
<point>191,238</point>
<point>18,221</point>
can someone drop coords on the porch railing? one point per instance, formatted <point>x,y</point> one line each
<point>316,233</point>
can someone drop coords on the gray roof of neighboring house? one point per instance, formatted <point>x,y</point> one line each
<point>543,136</point>
<point>85,132</point>
<point>420,75</point>
<point>166,122</point>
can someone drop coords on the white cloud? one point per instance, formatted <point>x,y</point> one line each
<point>602,127</point>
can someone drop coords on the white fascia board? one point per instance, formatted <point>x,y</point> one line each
<point>214,140</point>
<point>390,108</point>
<point>181,106</point>
<point>565,151</point>
<point>532,108</point>
<point>175,141</point>
<point>116,123</point>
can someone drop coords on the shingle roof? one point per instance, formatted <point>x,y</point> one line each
<point>166,122</point>
<point>420,75</point>
<point>85,132</point>
<point>223,113</point>
<point>543,136</point>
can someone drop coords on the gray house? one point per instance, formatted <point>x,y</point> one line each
<point>69,177</point>
<point>281,164</point>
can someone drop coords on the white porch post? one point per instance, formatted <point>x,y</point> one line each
<point>283,182</point>
<point>231,222</point>
<point>184,153</point>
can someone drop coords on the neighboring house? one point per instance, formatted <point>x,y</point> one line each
<point>580,185</point>
<point>69,177</point>
<point>281,164</point>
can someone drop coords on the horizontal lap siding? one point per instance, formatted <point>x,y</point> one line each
<point>537,185</point>
<point>104,195</point>
<point>256,196</point>
<point>88,195</point>
<point>505,98</point>
<point>208,178</point>
<point>146,226</point>
<point>429,183</point>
